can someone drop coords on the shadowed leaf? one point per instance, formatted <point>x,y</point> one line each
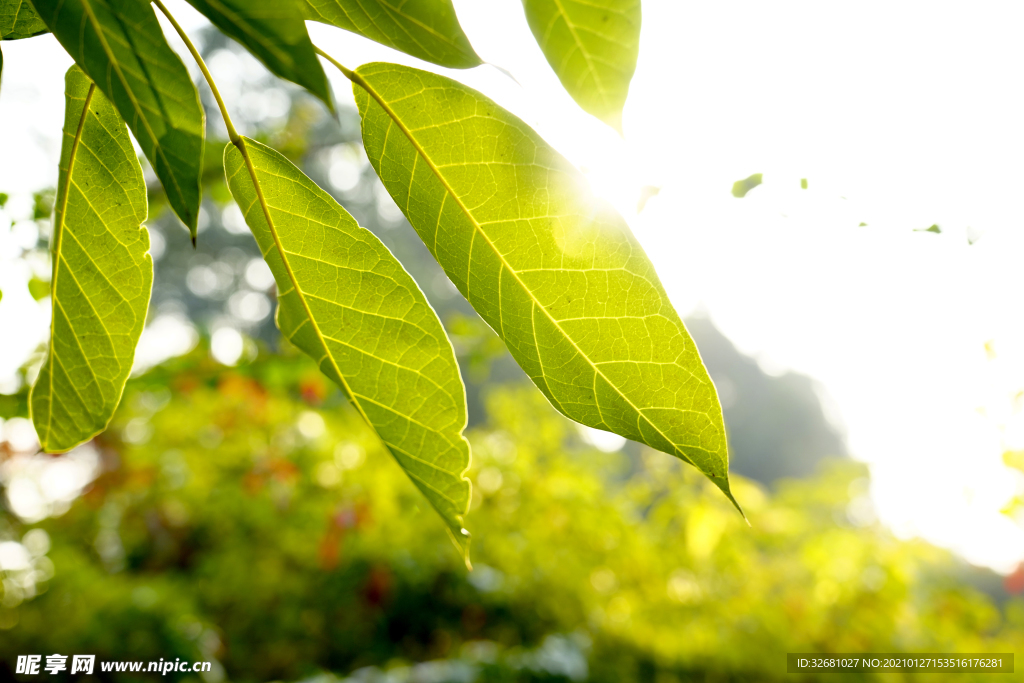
<point>18,19</point>
<point>593,46</point>
<point>427,29</point>
<point>555,271</point>
<point>349,304</point>
<point>275,32</point>
<point>119,44</point>
<point>102,272</point>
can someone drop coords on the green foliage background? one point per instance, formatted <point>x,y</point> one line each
<point>248,516</point>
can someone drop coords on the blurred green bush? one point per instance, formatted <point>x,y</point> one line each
<point>246,516</point>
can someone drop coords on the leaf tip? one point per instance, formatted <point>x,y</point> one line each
<point>461,539</point>
<point>328,100</point>
<point>723,484</point>
<point>615,121</point>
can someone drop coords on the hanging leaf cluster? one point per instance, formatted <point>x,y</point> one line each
<point>554,270</point>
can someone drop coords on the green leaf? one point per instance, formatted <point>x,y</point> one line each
<point>18,19</point>
<point>38,288</point>
<point>349,304</point>
<point>119,44</point>
<point>274,31</point>
<point>427,29</point>
<point>102,272</point>
<point>741,187</point>
<point>592,45</point>
<point>554,270</point>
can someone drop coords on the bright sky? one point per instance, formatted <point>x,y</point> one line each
<point>900,115</point>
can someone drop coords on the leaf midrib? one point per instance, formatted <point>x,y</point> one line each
<point>58,241</point>
<point>583,50</point>
<point>115,65</point>
<point>420,151</point>
<point>353,396</point>
<point>242,147</point>
<point>441,37</point>
<point>413,20</point>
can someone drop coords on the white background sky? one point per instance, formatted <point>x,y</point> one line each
<point>900,115</point>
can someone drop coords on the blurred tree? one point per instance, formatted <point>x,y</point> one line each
<point>248,516</point>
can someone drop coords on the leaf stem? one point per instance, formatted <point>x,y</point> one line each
<point>348,73</point>
<point>232,133</point>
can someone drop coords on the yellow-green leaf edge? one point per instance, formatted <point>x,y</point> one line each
<point>102,272</point>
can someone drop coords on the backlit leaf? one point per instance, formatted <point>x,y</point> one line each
<point>119,44</point>
<point>38,288</point>
<point>275,32</point>
<point>102,272</point>
<point>555,271</point>
<point>18,19</point>
<point>741,187</point>
<point>427,29</point>
<point>348,303</point>
<point>593,46</point>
